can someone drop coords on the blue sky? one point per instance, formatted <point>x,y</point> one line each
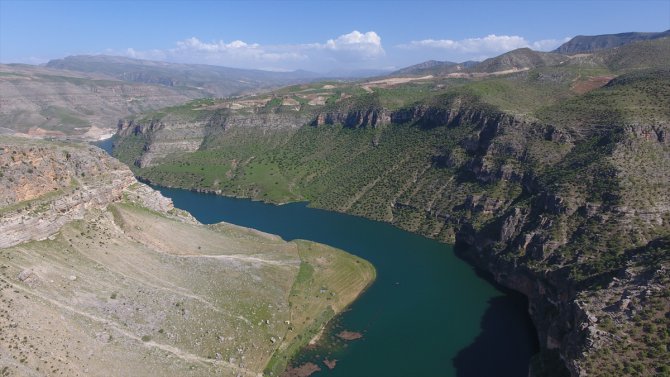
<point>313,35</point>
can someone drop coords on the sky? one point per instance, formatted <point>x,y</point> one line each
<point>319,36</point>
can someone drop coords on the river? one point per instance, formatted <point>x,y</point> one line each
<point>429,313</point>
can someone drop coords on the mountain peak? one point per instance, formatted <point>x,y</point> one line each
<point>434,67</point>
<point>591,43</point>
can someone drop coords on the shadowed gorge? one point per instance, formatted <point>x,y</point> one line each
<point>549,169</point>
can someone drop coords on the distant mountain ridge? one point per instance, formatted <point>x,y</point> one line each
<point>44,101</point>
<point>591,43</point>
<point>519,59</point>
<point>434,67</point>
<point>627,50</point>
<point>215,80</point>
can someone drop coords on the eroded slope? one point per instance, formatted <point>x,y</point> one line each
<point>45,102</point>
<point>125,284</point>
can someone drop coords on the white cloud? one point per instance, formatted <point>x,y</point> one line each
<point>194,43</point>
<point>235,53</point>
<point>366,45</point>
<point>488,46</point>
<point>352,50</point>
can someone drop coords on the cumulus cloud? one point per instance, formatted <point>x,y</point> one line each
<point>365,45</point>
<point>346,52</point>
<point>485,46</point>
<point>235,53</point>
<point>352,50</point>
<point>194,43</point>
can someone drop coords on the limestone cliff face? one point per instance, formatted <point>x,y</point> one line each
<point>44,186</point>
<point>179,137</point>
<point>353,118</point>
<point>488,140</point>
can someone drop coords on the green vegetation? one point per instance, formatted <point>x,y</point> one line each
<point>641,349</point>
<point>325,274</point>
<point>561,169</point>
<point>639,97</point>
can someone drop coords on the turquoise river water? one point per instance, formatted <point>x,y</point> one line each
<point>429,313</point>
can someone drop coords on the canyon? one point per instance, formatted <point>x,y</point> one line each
<point>560,191</point>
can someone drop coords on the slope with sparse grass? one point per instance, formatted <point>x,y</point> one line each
<point>129,285</point>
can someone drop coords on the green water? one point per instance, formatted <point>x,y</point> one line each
<point>428,313</point>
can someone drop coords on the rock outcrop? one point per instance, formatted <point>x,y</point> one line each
<point>47,186</point>
<point>530,248</point>
<point>353,118</point>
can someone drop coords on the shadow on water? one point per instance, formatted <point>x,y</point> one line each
<point>505,318</point>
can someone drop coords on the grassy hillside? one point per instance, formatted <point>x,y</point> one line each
<point>419,177</point>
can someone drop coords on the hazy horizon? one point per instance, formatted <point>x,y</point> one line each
<point>313,36</point>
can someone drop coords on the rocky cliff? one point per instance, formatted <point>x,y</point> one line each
<point>560,192</point>
<point>47,187</point>
<point>532,227</point>
<point>353,118</point>
<point>587,241</point>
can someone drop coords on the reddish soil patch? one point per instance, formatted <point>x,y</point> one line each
<point>582,86</point>
<point>330,363</point>
<point>303,370</point>
<point>349,335</point>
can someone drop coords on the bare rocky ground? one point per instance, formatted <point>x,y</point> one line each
<point>127,285</point>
